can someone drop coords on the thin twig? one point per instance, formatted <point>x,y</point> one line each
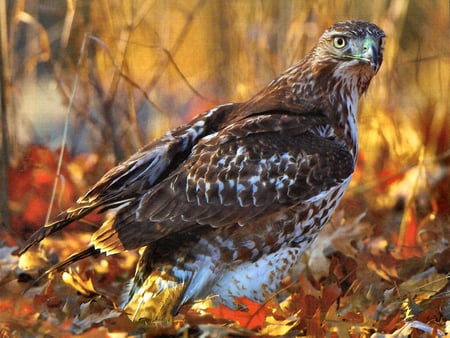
<point>177,44</point>
<point>136,85</point>
<point>66,127</point>
<point>4,117</point>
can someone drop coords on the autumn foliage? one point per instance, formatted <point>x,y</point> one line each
<point>359,278</point>
<point>31,183</point>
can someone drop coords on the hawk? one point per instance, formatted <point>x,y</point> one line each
<point>225,204</point>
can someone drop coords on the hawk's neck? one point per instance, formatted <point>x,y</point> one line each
<point>329,92</point>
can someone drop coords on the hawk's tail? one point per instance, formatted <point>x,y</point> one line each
<point>90,251</point>
<point>63,220</point>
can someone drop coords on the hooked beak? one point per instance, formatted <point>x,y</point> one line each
<point>370,54</point>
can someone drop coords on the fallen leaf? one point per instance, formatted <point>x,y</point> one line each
<point>89,317</point>
<point>407,328</point>
<point>338,235</point>
<point>84,286</point>
<point>252,318</point>
<point>279,328</point>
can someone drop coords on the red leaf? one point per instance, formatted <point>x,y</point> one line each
<point>30,186</point>
<point>252,318</point>
<point>408,235</point>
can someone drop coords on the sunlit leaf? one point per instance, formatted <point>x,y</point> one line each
<point>253,317</point>
<point>275,327</point>
<point>84,286</point>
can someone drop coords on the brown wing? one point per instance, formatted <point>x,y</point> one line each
<point>124,184</point>
<point>150,165</point>
<point>248,169</point>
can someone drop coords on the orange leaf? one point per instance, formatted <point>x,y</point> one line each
<point>408,234</point>
<point>252,318</point>
<point>353,317</point>
<point>330,294</point>
<point>313,327</point>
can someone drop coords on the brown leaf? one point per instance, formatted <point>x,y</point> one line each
<point>330,294</point>
<point>338,235</point>
<point>89,317</point>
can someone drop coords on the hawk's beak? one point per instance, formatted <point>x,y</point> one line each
<point>369,54</point>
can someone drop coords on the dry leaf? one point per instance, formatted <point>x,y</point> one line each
<point>279,328</point>
<point>407,328</point>
<point>84,286</point>
<point>253,317</point>
<point>338,235</point>
<point>89,317</point>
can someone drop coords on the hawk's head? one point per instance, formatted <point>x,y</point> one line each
<point>351,51</point>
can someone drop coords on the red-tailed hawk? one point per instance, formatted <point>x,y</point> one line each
<point>227,203</point>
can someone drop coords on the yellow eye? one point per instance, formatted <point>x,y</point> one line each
<point>339,42</point>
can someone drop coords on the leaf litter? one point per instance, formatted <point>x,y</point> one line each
<point>352,281</point>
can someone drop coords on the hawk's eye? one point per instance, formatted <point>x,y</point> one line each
<point>339,42</point>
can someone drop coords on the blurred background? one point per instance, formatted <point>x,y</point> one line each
<point>117,74</point>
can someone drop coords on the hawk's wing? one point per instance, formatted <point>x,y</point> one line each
<point>150,165</point>
<point>253,167</point>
